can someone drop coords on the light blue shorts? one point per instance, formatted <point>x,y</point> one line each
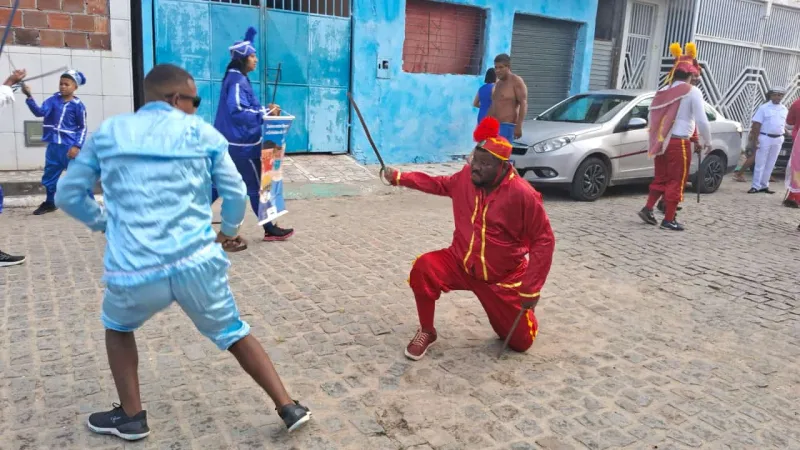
<point>202,292</point>
<point>507,131</point>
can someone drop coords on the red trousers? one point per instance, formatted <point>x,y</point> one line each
<point>671,174</point>
<point>441,271</point>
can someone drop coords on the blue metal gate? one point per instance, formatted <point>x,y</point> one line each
<point>310,39</point>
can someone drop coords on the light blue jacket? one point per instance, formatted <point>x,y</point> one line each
<point>156,167</point>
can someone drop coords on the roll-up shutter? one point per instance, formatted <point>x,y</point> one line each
<point>542,53</point>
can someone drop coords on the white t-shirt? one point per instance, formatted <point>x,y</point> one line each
<point>772,118</point>
<point>691,113</point>
<point>6,95</point>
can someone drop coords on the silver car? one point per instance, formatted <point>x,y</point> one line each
<point>598,139</point>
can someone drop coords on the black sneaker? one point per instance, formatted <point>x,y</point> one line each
<point>674,225</point>
<point>117,423</point>
<point>647,216</point>
<point>10,260</point>
<point>753,191</point>
<point>44,208</point>
<point>294,415</point>
<point>766,191</point>
<point>276,233</point>
<point>663,208</point>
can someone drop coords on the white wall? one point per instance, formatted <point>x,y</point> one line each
<point>108,89</point>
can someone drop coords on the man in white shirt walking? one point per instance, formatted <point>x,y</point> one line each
<point>7,98</point>
<point>768,127</point>
<point>674,114</point>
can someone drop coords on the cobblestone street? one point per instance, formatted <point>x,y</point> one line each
<point>649,339</point>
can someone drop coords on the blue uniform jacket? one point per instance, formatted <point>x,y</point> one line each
<point>239,116</point>
<point>64,122</point>
<point>156,167</point>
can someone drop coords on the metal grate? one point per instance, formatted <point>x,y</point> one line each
<point>730,19</point>
<point>340,8</point>
<point>638,46</point>
<point>443,38</point>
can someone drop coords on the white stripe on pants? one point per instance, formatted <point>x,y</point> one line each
<point>767,154</point>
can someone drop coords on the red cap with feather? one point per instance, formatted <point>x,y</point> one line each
<point>487,135</point>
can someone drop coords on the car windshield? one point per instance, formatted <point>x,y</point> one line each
<point>587,108</point>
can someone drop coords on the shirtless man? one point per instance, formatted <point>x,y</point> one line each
<point>509,100</point>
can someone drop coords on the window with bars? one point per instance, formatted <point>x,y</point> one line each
<point>340,8</point>
<point>443,38</point>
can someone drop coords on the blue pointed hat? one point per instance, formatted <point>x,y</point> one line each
<point>75,76</point>
<point>245,48</point>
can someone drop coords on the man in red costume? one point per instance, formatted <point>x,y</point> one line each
<point>500,220</point>
<point>675,112</point>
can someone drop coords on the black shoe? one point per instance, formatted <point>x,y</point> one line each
<point>44,208</point>
<point>674,225</point>
<point>753,191</point>
<point>9,260</point>
<point>663,208</point>
<point>767,191</point>
<point>790,204</point>
<point>647,216</point>
<point>294,415</point>
<point>276,233</point>
<point>117,423</point>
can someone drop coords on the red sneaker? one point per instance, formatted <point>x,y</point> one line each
<point>419,345</point>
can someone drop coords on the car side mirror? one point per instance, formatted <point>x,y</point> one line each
<point>636,123</point>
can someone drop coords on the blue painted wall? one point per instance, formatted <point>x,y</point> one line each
<point>425,117</point>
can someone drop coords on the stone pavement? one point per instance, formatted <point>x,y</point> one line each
<point>648,340</point>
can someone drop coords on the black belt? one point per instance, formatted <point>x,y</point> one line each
<point>772,135</point>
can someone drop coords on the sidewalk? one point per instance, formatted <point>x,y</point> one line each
<point>305,176</point>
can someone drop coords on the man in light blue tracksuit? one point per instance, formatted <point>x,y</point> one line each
<point>156,168</point>
<point>239,118</point>
<point>64,130</point>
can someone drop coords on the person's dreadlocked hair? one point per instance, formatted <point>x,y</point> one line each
<point>163,80</point>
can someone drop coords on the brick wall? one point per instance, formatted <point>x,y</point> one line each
<point>81,24</point>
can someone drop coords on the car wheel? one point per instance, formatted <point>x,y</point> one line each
<point>590,180</point>
<point>709,177</point>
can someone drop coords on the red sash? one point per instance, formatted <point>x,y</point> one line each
<point>663,111</point>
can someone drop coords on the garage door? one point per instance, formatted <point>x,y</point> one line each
<point>542,53</point>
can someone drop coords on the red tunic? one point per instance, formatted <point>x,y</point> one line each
<point>494,233</point>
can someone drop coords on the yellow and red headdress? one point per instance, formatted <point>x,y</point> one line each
<point>487,135</point>
<point>685,62</point>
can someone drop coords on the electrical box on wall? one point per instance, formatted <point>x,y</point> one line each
<point>34,133</point>
<point>383,67</point>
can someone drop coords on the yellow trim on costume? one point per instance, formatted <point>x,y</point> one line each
<point>471,239</point>
<point>483,244</point>
<point>511,285</point>
<point>408,280</point>
<point>533,332</point>
<point>397,178</point>
<point>534,295</point>
<point>685,167</point>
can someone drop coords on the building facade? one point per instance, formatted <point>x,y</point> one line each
<point>93,36</point>
<point>745,48</point>
<point>413,66</point>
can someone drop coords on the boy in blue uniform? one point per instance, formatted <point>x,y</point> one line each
<point>64,130</point>
<point>239,118</point>
<point>156,167</point>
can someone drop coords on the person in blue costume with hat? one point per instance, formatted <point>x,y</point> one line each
<point>64,130</point>
<point>239,118</point>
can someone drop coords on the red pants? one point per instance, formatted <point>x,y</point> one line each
<point>794,197</point>
<point>671,174</point>
<point>441,271</point>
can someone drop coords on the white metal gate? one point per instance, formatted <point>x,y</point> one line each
<point>744,46</point>
<point>642,37</point>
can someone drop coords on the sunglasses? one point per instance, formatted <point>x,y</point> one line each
<point>195,100</point>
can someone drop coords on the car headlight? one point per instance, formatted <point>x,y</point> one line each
<point>553,144</point>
